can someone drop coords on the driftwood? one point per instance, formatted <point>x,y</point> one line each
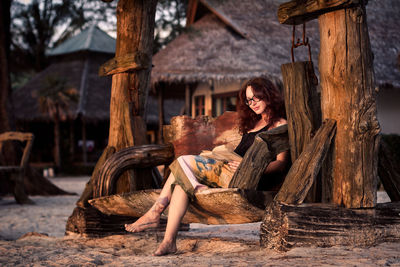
<point>303,111</point>
<point>389,172</point>
<point>17,173</point>
<point>323,225</point>
<point>304,170</point>
<point>264,150</point>
<point>212,206</point>
<point>144,156</point>
<point>303,108</point>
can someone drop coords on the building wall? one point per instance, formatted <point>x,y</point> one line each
<point>210,89</point>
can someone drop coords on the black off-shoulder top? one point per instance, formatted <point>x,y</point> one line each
<point>247,141</point>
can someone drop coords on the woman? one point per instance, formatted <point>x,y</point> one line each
<point>260,108</point>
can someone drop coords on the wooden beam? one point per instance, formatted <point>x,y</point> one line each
<point>304,170</point>
<point>125,63</point>
<point>191,12</point>
<point>298,12</point>
<point>326,225</point>
<point>234,205</point>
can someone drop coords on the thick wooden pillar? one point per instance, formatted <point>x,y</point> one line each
<point>135,23</point>
<point>348,96</point>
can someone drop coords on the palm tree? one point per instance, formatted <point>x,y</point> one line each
<point>55,99</point>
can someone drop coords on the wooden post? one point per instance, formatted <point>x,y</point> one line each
<point>303,111</point>
<point>187,100</point>
<point>135,23</point>
<point>84,150</point>
<point>348,96</point>
<point>303,108</point>
<point>160,96</point>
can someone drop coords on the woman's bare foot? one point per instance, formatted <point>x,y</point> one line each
<point>151,219</point>
<point>166,247</point>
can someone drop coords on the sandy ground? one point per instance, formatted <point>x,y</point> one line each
<point>231,245</point>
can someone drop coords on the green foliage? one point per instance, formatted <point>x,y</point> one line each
<point>170,21</point>
<point>42,24</point>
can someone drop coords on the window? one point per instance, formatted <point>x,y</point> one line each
<point>199,107</point>
<point>224,102</point>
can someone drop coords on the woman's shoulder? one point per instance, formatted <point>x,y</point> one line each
<point>280,122</point>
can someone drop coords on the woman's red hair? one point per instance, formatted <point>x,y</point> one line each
<point>265,90</point>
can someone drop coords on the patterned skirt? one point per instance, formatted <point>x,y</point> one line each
<point>191,172</point>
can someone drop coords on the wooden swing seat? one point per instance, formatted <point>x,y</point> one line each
<point>214,205</point>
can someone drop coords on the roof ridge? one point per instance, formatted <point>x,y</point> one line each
<point>89,39</point>
<point>222,16</point>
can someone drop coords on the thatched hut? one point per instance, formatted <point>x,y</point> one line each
<point>76,63</point>
<point>226,42</point>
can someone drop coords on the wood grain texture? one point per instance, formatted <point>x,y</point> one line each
<point>126,63</point>
<point>348,96</point>
<point>303,111</point>
<point>191,136</point>
<point>212,206</point>
<point>326,225</point>
<point>298,12</point>
<point>303,107</point>
<point>264,149</point>
<point>304,170</point>
<point>137,157</point>
<point>129,90</point>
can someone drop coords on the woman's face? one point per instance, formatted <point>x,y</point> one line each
<point>256,104</point>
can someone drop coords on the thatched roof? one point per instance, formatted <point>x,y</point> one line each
<point>213,49</point>
<point>79,70</point>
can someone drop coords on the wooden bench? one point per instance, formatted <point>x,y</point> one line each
<point>16,173</point>
<point>189,137</point>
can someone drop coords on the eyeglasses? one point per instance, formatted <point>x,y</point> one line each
<point>252,100</point>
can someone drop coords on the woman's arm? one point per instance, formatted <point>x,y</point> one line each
<point>278,165</point>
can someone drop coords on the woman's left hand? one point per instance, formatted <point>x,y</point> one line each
<point>233,165</point>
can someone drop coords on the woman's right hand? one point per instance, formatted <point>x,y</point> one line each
<point>233,165</point>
